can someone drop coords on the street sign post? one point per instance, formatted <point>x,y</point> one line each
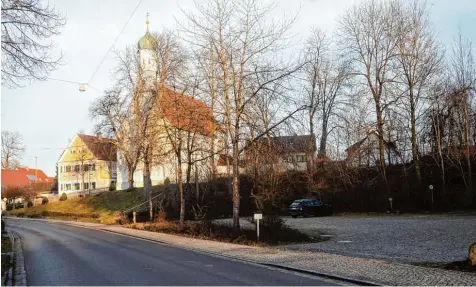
<point>258,216</point>
<point>430,187</point>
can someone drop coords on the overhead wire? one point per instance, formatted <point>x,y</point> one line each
<point>114,43</point>
<point>105,56</point>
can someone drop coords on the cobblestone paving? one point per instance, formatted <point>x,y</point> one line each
<point>431,238</point>
<point>378,271</point>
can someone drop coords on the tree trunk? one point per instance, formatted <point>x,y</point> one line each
<point>130,179</point>
<point>467,143</point>
<point>381,145</point>
<point>180,187</point>
<point>236,188</point>
<point>147,182</point>
<point>82,181</point>
<point>416,159</point>
<point>197,186</point>
<point>323,143</point>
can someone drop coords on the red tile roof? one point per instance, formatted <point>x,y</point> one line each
<point>101,148</point>
<point>12,177</point>
<point>23,177</point>
<point>186,112</point>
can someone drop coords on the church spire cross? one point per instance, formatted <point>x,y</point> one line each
<point>147,21</point>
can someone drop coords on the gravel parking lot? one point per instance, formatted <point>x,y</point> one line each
<point>419,238</point>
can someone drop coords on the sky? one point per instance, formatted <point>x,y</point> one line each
<point>48,114</point>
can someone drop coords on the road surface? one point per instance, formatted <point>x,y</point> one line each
<point>58,254</point>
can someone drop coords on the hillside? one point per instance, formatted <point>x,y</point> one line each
<point>103,208</point>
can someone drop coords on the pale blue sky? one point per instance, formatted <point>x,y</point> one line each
<point>49,113</point>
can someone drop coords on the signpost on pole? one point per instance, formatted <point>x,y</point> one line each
<point>257,216</point>
<point>430,187</point>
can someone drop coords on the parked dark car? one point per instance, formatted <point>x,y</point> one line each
<point>309,207</point>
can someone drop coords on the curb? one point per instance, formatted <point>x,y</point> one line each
<point>19,268</point>
<point>325,275</point>
<point>278,266</point>
<point>20,272</point>
<point>298,270</point>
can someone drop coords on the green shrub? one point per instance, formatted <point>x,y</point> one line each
<point>44,200</point>
<point>29,203</point>
<point>19,205</point>
<point>112,186</point>
<point>63,197</point>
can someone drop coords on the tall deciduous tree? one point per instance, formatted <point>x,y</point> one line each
<point>246,47</point>
<point>368,37</point>
<point>463,72</point>
<point>420,60</point>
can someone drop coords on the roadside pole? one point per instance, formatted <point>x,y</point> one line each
<point>257,216</point>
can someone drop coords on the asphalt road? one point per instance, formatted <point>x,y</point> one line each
<point>58,254</point>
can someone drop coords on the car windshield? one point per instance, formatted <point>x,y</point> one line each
<point>316,203</point>
<point>296,202</point>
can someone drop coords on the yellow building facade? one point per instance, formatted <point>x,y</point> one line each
<point>88,163</point>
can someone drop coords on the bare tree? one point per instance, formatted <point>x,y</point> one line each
<point>368,37</point>
<point>12,149</point>
<point>112,111</point>
<point>26,27</point>
<point>245,44</point>
<point>325,76</point>
<point>420,61</point>
<point>463,72</point>
<point>315,53</point>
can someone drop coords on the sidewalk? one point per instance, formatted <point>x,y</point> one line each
<point>367,270</point>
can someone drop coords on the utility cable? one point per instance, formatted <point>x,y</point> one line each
<point>114,43</point>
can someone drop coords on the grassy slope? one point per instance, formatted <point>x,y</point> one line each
<point>106,205</point>
<point>6,247</point>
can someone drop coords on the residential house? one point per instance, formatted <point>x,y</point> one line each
<point>283,152</point>
<point>88,163</point>
<point>25,178</point>
<point>366,152</point>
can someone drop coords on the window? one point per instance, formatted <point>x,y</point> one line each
<point>68,186</point>
<point>67,168</point>
<point>86,185</point>
<point>93,166</point>
<point>77,186</point>
<point>93,185</point>
<point>300,158</point>
<point>76,168</point>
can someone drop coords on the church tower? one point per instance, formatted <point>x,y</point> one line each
<point>147,49</point>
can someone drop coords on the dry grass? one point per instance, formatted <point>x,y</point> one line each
<point>103,208</point>
<point>224,233</point>
<point>6,247</point>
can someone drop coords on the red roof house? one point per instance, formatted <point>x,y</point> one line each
<point>26,177</point>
